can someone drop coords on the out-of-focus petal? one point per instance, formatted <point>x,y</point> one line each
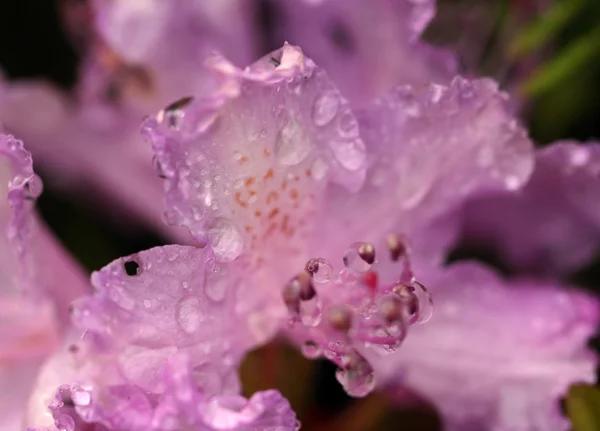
<point>246,166</point>
<point>92,147</point>
<point>428,150</point>
<point>550,227</point>
<point>497,355</point>
<point>172,39</point>
<point>37,281</point>
<point>364,59</point>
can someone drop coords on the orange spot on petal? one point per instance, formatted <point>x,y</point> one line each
<point>273,213</point>
<point>269,174</point>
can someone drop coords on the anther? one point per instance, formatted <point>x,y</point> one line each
<point>340,318</point>
<point>391,309</point>
<point>396,246</point>
<point>367,253</point>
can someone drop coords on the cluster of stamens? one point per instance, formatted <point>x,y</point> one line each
<point>343,315</point>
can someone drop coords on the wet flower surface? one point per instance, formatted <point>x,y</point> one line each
<point>321,198</point>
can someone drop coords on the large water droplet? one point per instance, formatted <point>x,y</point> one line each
<point>225,239</point>
<point>318,169</point>
<point>356,376</point>
<point>359,257</point>
<point>64,423</point>
<point>189,314</point>
<point>325,108</point>
<point>310,312</point>
<point>349,152</point>
<point>311,350</point>
<point>81,396</point>
<point>320,269</point>
<point>216,287</point>
<point>293,144</point>
<point>425,302</point>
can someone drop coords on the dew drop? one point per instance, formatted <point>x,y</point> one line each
<point>320,269</point>
<point>64,423</point>
<point>359,257</point>
<point>348,125</point>
<point>310,312</point>
<point>349,152</point>
<point>318,169</point>
<point>292,145</point>
<point>80,395</point>
<point>225,239</point>
<point>325,108</point>
<point>215,287</point>
<point>311,350</point>
<point>425,302</point>
<point>189,314</point>
<point>356,375</point>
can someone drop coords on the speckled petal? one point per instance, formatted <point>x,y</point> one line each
<point>497,355</point>
<point>363,59</point>
<point>37,281</point>
<point>552,226</point>
<point>174,298</point>
<point>246,165</point>
<point>428,150</point>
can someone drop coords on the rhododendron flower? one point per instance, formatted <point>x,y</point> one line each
<point>278,174</point>
<point>144,54</point>
<point>38,282</point>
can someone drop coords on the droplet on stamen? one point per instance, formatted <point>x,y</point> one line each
<point>340,318</point>
<point>311,350</point>
<point>359,257</point>
<point>397,246</point>
<point>320,269</point>
<point>356,375</point>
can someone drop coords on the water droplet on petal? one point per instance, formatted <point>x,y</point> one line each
<point>318,169</point>
<point>350,153</point>
<point>348,125</point>
<point>81,396</point>
<point>325,108</point>
<point>293,144</point>
<point>320,269</point>
<point>216,288</point>
<point>359,257</point>
<point>189,314</point>
<point>425,302</point>
<point>225,239</point>
<point>311,350</point>
<point>356,375</point>
<point>310,312</point>
<point>64,423</point>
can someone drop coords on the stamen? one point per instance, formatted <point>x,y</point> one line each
<point>397,246</point>
<point>361,312</point>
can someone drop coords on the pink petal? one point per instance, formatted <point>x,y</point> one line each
<point>497,355</point>
<point>38,280</point>
<point>246,166</point>
<point>428,151</point>
<point>363,59</point>
<point>550,227</point>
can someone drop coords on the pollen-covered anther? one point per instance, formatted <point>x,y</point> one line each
<point>397,246</point>
<point>391,309</point>
<point>299,288</point>
<point>340,318</point>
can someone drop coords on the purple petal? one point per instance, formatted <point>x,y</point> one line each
<point>174,298</point>
<point>497,355</point>
<point>246,166</point>
<point>37,282</point>
<point>180,405</point>
<point>363,59</point>
<point>550,227</point>
<point>428,151</point>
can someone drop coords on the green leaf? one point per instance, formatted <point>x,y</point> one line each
<point>568,63</point>
<point>583,407</point>
<point>547,26</point>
